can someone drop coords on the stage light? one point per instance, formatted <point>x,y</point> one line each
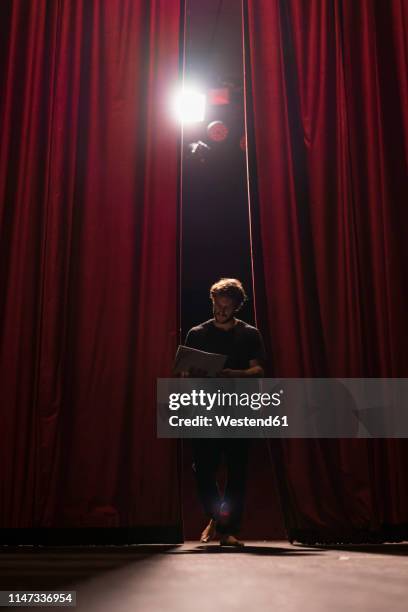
<point>189,105</point>
<point>217,131</point>
<point>199,150</point>
<point>198,146</point>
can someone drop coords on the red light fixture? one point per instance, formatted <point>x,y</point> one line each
<point>217,131</point>
<point>218,97</point>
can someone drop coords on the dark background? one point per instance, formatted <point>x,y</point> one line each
<point>215,231</point>
<point>215,226</point>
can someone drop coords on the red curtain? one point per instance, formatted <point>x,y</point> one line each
<point>88,310</point>
<point>328,87</point>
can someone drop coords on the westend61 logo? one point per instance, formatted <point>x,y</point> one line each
<point>204,399</point>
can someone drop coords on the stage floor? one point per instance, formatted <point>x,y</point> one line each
<point>265,575</point>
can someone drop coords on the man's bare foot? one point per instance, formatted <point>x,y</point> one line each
<point>230,540</point>
<point>209,532</point>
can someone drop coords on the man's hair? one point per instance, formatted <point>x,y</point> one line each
<point>229,287</point>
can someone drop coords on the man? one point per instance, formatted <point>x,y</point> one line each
<point>243,346</point>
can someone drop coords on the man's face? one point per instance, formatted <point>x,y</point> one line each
<point>223,309</point>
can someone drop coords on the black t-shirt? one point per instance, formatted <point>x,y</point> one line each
<point>241,343</point>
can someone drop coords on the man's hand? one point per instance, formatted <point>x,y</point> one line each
<point>254,371</point>
<point>229,373</point>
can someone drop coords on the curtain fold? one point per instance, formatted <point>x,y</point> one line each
<point>327,87</point>
<point>88,310</point>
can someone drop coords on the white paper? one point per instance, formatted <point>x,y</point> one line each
<point>187,357</point>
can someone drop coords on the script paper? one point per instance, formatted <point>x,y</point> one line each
<point>187,358</point>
